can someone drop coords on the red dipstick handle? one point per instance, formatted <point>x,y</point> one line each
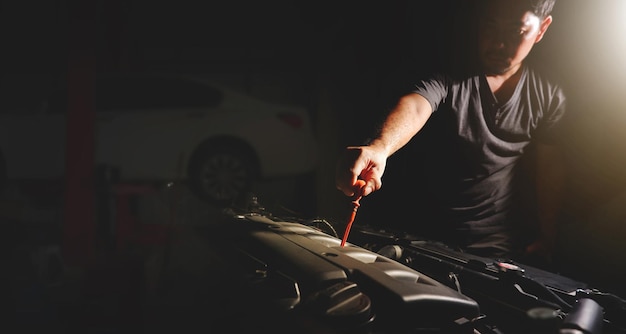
<point>355,206</point>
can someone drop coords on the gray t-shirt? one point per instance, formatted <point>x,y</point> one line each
<point>475,141</point>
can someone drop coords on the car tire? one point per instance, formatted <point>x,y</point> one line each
<point>222,173</point>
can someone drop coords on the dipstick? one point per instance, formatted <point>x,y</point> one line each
<point>355,207</point>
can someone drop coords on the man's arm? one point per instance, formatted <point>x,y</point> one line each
<point>403,122</point>
<point>368,162</point>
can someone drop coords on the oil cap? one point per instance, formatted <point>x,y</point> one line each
<point>343,304</point>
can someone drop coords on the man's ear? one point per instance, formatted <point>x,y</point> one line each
<point>543,28</point>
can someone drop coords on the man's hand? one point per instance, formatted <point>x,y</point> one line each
<point>366,163</point>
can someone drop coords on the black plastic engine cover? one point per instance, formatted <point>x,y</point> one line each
<point>294,271</point>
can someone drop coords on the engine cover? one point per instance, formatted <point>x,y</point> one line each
<point>295,274</point>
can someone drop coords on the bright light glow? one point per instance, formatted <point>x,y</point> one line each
<point>612,39</point>
<point>598,34</point>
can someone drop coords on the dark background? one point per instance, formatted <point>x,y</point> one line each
<point>346,61</point>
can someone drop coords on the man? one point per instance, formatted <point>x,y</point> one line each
<point>489,119</point>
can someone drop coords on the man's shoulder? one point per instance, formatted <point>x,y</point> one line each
<point>543,77</point>
<point>452,78</point>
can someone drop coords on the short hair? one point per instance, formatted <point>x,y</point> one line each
<point>542,8</point>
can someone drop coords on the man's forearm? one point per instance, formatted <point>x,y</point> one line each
<point>403,122</point>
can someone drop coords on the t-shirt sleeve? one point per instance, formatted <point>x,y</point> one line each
<point>434,89</point>
<point>553,124</point>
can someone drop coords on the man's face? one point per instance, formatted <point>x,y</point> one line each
<point>507,33</point>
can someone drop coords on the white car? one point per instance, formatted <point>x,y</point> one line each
<point>168,128</point>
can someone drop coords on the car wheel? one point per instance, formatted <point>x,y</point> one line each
<point>221,174</point>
